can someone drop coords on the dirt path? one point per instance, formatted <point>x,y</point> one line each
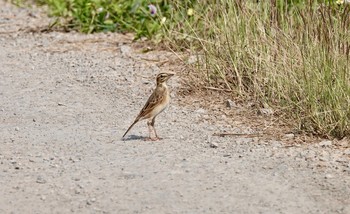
<point>65,101</point>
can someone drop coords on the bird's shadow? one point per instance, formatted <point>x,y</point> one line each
<point>133,137</point>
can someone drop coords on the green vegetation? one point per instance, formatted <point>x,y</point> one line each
<point>293,55</point>
<point>143,17</point>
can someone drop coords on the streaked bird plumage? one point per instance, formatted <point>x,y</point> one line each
<point>155,104</point>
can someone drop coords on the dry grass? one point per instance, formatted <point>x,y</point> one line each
<point>295,57</point>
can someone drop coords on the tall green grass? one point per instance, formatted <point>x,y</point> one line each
<point>294,56</point>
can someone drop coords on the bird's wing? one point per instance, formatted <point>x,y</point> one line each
<point>156,98</point>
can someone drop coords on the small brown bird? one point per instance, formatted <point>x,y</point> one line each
<point>155,104</point>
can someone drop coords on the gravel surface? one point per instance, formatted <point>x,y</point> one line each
<point>67,98</point>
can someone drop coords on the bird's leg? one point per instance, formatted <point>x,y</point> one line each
<point>155,132</point>
<point>149,124</point>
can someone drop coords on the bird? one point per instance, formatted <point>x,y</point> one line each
<point>155,104</point>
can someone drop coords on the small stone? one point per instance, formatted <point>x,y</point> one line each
<point>214,145</point>
<point>90,201</point>
<point>230,104</point>
<point>325,143</point>
<point>40,180</point>
<point>16,129</point>
<point>328,176</point>
<point>43,197</point>
<point>77,191</point>
<point>289,135</point>
<point>265,111</point>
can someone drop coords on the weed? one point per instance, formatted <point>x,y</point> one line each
<point>294,56</point>
<point>144,18</point>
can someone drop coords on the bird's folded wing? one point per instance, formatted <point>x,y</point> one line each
<point>154,100</point>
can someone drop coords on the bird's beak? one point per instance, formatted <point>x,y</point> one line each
<point>170,75</point>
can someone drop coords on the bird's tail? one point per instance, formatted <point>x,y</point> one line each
<point>130,127</point>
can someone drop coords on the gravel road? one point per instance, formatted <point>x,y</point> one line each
<point>67,98</point>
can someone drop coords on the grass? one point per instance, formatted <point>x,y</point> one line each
<point>293,55</point>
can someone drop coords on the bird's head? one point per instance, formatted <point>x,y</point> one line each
<point>163,77</point>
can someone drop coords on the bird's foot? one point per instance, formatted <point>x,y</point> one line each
<point>152,138</point>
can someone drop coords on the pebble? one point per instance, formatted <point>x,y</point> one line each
<point>77,191</point>
<point>230,104</point>
<point>40,180</point>
<point>265,111</point>
<point>328,176</point>
<point>16,129</point>
<point>289,135</point>
<point>214,145</point>
<point>325,143</point>
<point>90,201</point>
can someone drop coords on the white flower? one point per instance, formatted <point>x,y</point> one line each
<point>190,12</point>
<point>163,20</point>
<point>99,10</point>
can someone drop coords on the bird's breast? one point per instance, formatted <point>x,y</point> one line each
<point>158,109</point>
